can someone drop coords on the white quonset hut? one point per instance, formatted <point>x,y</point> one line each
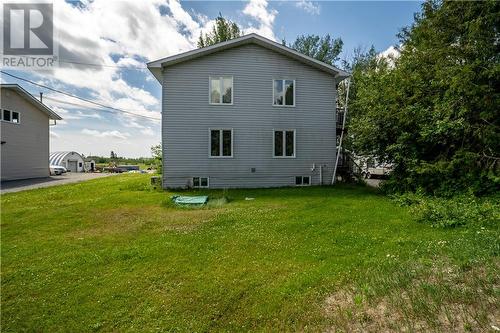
<point>71,160</point>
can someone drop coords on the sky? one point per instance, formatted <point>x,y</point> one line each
<point>104,46</point>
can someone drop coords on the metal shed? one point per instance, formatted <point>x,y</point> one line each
<point>90,165</point>
<point>71,160</point>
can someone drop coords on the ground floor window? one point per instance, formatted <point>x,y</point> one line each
<point>221,143</point>
<point>302,180</point>
<point>284,143</point>
<point>200,182</point>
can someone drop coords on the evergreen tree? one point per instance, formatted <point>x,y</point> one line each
<point>324,49</point>
<point>435,112</point>
<point>222,31</point>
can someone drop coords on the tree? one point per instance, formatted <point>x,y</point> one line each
<point>361,62</point>
<point>435,113</point>
<point>324,49</point>
<point>113,155</point>
<point>157,153</point>
<point>222,31</point>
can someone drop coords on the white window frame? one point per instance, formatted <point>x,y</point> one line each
<point>221,85</point>
<point>199,179</point>
<point>7,121</point>
<point>221,144</point>
<point>294,90</point>
<point>302,181</point>
<point>284,142</point>
<point>11,112</point>
<point>18,117</point>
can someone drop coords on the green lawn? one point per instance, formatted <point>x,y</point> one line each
<point>112,254</point>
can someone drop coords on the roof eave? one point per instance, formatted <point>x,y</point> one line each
<point>31,99</point>
<point>156,71</point>
<point>156,66</point>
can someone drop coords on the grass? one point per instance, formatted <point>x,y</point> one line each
<point>112,254</point>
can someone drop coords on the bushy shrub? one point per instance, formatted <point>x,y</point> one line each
<point>433,111</point>
<point>453,212</point>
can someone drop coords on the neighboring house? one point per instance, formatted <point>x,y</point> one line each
<point>71,160</point>
<point>247,113</point>
<point>24,134</point>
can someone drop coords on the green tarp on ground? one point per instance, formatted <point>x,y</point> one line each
<point>185,200</point>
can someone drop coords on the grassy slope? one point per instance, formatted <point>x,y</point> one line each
<point>113,254</point>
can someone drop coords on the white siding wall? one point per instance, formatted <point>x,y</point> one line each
<point>25,153</point>
<point>187,116</point>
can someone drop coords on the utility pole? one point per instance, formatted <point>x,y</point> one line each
<point>41,97</point>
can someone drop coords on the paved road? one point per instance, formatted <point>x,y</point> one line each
<point>67,178</point>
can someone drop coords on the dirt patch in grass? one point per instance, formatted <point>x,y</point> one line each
<point>433,300</point>
<point>149,218</point>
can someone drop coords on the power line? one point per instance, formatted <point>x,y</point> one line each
<point>76,104</point>
<point>79,105</point>
<point>102,65</point>
<point>77,97</point>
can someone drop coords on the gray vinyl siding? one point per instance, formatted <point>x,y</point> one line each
<point>25,153</point>
<point>187,117</point>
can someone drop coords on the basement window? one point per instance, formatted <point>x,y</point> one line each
<point>302,180</point>
<point>200,182</point>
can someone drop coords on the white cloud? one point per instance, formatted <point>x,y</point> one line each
<point>115,134</point>
<point>94,145</point>
<point>148,131</point>
<point>76,113</point>
<point>54,135</point>
<point>308,6</point>
<point>118,34</point>
<point>257,9</point>
<point>390,52</point>
<point>122,34</point>
<point>131,62</point>
<point>390,55</point>
<point>130,123</point>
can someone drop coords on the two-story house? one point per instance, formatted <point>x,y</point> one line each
<point>24,130</point>
<point>248,112</point>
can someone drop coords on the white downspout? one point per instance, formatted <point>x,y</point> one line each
<point>342,132</point>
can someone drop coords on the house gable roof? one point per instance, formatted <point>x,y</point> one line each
<point>156,66</point>
<point>32,100</point>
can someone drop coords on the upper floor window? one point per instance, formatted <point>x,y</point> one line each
<point>10,116</point>
<point>284,92</point>
<point>284,143</point>
<point>221,90</point>
<point>221,143</point>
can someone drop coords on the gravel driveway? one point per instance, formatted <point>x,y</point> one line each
<point>67,178</point>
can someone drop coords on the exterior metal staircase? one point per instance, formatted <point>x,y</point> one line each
<point>346,167</point>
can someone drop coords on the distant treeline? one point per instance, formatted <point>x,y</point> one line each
<point>122,160</point>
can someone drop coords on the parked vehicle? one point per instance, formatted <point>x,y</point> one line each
<point>57,170</point>
<point>380,170</point>
<point>114,169</point>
